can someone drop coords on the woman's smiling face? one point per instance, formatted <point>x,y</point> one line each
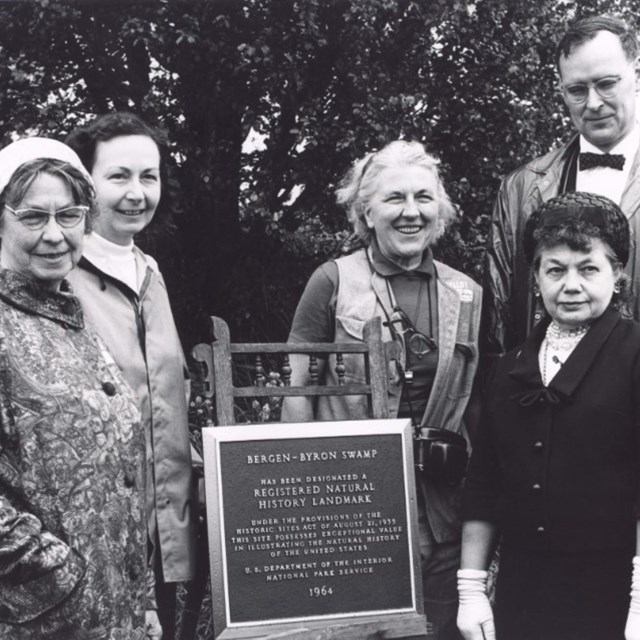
<point>403,213</point>
<point>126,175</point>
<point>47,254</point>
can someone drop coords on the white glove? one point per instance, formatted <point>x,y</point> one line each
<point>632,630</point>
<point>475,616</point>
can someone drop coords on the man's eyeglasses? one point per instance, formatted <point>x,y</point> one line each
<point>38,219</point>
<point>605,88</point>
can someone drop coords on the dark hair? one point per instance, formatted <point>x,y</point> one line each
<point>575,219</point>
<point>580,239</point>
<point>25,175</point>
<point>578,236</point>
<point>586,29</point>
<point>84,141</point>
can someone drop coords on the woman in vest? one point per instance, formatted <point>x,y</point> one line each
<point>398,207</point>
<point>124,297</point>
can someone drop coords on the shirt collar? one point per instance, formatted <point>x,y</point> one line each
<point>526,368</point>
<point>628,146</point>
<point>114,260</point>
<point>384,267</point>
<point>100,250</point>
<point>30,296</point>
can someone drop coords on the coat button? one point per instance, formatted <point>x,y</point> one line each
<point>536,487</point>
<point>129,479</point>
<point>109,388</point>
<point>68,307</point>
<point>538,446</point>
<point>540,530</point>
<point>537,316</point>
<point>134,572</point>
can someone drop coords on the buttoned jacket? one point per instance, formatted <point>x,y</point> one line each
<point>362,295</point>
<point>139,329</point>
<point>73,554</point>
<point>509,308</point>
<point>558,467</point>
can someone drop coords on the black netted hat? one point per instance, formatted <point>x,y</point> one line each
<point>579,213</point>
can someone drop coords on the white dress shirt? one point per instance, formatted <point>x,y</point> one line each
<point>603,180</point>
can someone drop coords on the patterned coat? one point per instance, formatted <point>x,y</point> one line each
<point>73,558</point>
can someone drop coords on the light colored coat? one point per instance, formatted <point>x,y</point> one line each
<point>361,296</point>
<point>140,332</point>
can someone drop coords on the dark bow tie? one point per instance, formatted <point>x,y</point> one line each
<point>591,160</point>
<point>530,397</point>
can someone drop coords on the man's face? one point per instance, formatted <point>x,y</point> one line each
<point>602,121</point>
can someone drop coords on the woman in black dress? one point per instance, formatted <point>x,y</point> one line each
<point>556,466</point>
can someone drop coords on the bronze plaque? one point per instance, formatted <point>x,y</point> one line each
<point>310,522</point>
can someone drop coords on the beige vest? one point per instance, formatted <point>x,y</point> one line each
<point>360,297</point>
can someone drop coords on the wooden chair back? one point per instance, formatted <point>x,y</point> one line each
<point>220,375</point>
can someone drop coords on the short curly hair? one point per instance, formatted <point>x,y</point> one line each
<point>361,181</point>
<point>575,219</point>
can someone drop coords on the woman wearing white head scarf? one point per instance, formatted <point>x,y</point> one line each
<point>73,558</point>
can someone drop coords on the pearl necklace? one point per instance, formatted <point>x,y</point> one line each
<point>564,339</point>
<point>557,347</point>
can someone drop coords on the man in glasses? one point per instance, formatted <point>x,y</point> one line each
<point>599,76</point>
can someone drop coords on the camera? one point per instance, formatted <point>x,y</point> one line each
<point>440,455</point>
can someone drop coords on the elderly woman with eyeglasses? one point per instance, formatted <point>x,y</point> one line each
<point>556,463</point>
<point>73,555</point>
<point>398,207</point>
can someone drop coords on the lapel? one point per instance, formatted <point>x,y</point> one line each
<point>448,314</point>
<point>386,300</point>
<point>143,271</point>
<point>527,370</point>
<point>630,201</point>
<point>33,298</point>
<point>550,173</point>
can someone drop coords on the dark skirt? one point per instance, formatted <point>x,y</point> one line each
<point>542,595</point>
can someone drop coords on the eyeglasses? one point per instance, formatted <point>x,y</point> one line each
<point>605,88</point>
<point>417,342</point>
<point>35,219</point>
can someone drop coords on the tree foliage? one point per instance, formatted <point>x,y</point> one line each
<point>316,83</point>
